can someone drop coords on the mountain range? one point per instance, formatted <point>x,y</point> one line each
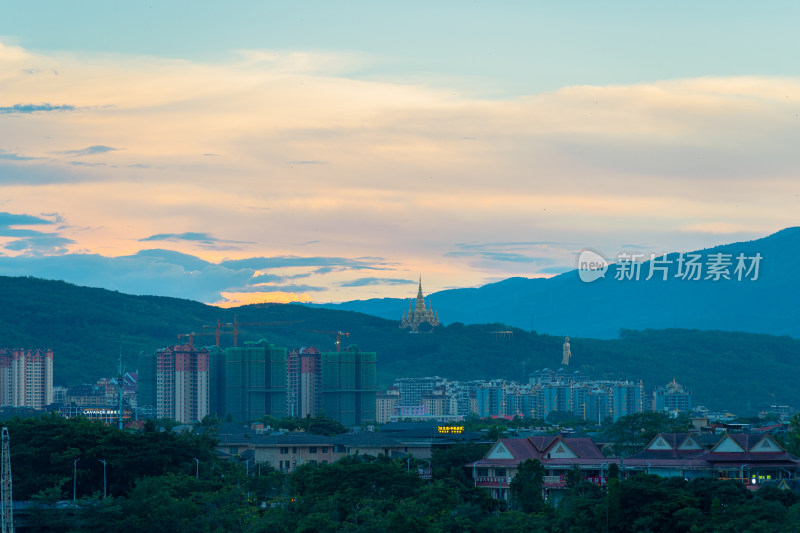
<point>619,329</point>
<point>763,300</point>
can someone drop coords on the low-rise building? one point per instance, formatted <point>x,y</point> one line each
<point>557,454</point>
<point>753,459</point>
<point>287,451</point>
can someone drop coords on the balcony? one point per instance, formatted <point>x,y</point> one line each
<point>492,481</point>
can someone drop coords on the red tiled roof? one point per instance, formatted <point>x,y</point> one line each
<point>669,454</point>
<point>542,442</point>
<point>521,449</point>
<point>584,448</point>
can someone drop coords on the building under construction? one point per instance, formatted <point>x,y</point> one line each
<point>349,386</point>
<point>255,381</point>
<point>247,383</point>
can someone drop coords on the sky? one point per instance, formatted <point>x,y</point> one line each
<point>258,151</point>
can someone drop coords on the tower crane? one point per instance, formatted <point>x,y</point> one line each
<point>191,336</point>
<point>339,335</point>
<point>235,325</point>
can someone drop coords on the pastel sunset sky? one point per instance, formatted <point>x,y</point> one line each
<point>252,151</point>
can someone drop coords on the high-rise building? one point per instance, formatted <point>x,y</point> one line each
<point>385,403</point>
<point>255,381</point>
<point>26,377</point>
<point>599,405</point>
<point>674,397</point>
<point>181,383</point>
<point>491,399</point>
<point>412,389</point>
<point>438,403</point>
<point>556,397</point>
<point>348,389</point>
<point>303,381</point>
<point>628,399</point>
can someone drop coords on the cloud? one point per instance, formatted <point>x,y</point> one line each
<point>14,157</point>
<point>90,150</point>
<point>206,240</point>
<point>151,273</point>
<point>33,108</point>
<point>363,282</point>
<point>258,263</point>
<point>188,262</point>
<point>509,252</point>
<point>39,173</point>
<point>309,162</point>
<point>188,236</point>
<point>497,256</point>
<point>12,219</point>
<point>263,287</point>
<point>30,241</point>
<point>42,244</point>
<point>266,278</point>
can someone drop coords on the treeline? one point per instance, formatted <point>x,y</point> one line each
<point>155,484</point>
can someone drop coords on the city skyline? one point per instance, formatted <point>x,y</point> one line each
<point>313,152</point>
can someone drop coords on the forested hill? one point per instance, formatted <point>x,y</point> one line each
<point>87,328</point>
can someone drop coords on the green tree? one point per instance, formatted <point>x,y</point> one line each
<point>631,433</point>
<point>793,435</point>
<point>526,487</point>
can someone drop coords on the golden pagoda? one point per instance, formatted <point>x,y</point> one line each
<point>419,313</point>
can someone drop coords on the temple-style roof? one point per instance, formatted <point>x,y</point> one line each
<point>419,313</point>
<point>731,449</point>
<point>548,449</point>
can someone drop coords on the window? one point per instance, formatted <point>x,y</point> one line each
<point>500,472</point>
<point>482,472</point>
<point>324,449</point>
<point>233,450</point>
<point>294,449</point>
<point>284,451</point>
<point>312,449</point>
<point>313,462</point>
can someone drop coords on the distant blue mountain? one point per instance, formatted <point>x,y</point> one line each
<point>565,305</point>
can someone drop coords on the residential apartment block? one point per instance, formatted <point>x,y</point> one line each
<point>547,391</point>
<point>673,398</point>
<point>26,377</point>
<point>303,382</point>
<point>174,383</point>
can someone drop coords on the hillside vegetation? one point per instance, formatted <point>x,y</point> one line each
<point>88,328</point>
